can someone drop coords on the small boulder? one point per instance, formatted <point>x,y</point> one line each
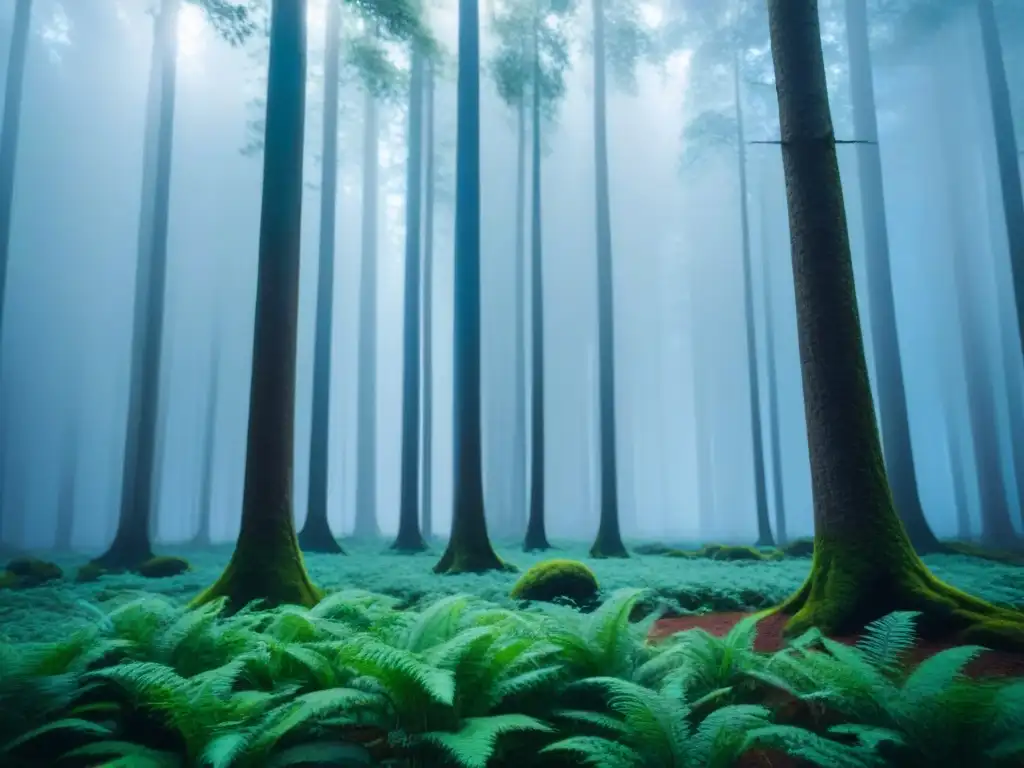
<point>551,580</point>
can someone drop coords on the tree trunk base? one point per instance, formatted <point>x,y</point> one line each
<point>123,556</point>
<point>765,541</point>
<point>319,539</point>
<point>604,548</point>
<point>847,590</point>
<point>462,557</point>
<point>409,543</point>
<point>274,577</point>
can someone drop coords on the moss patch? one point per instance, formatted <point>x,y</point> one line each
<point>557,579</point>
<point>974,550</point>
<point>24,572</point>
<point>729,552</point>
<point>162,566</point>
<point>799,548</point>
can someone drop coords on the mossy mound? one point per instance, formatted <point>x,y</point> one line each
<point>551,580</point>
<point>976,550</point>
<point>162,566</point>
<point>24,572</point>
<point>654,548</point>
<point>729,552</point>
<point>799,548</point>
<point>91,572</point>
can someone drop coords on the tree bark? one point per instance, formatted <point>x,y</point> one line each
<point>427,503</point>
<point>864,566</point>
<point>609,537</point>
<point>366,439</point>
<point>132,545</point>
<point>518,513</point>
<point>469,548</point>
<point>9,130</point>
<point>409,538</point>
<point>267,564</point>
<point>68,488</point>
<point>536,531</point>
<point>316,535</point>
<point>703,434</point>
<point>202,537</point>
<point>764,526</point>
<point>892,395</point>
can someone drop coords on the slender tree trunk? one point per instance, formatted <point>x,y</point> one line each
<point>778,492</point>
<point>536,530</point>
<point>202,537</point>
<point>131,544</point>
<point>427,490</point>
<point>892,395</point>
<point>1006,150</point>
<point>409,537</point>
<point>968,307</point>
<point>702,386</point>
<point>316,535</point>
<point>366,479</point>
<point>68,488</point>
<point>517,473</point>
<point>9,130</point>
<point>764,526</point>
<point>469,548</point>
<point>864,565</point>
<point>267,564</point>
<point>609,538</point>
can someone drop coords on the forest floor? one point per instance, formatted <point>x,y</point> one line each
<point>701,592</point>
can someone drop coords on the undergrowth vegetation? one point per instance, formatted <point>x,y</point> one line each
<point>462,682</point>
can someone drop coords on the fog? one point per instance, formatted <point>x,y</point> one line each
<point>678,279</point>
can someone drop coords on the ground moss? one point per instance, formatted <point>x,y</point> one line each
<point>729,552</point>
<point>162,566</point>
<point>553,579</point>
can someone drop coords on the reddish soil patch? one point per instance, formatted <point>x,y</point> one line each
<point>769,639</point>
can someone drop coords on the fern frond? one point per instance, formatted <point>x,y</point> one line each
<point>126,754</point>
<point>337,754</point>
<point>473,745</point>
<point>887,640</point>
<point>598,752</point>
<point>810,747</point>
<point>937,673</point>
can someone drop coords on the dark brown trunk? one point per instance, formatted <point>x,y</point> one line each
<point>427,502</point>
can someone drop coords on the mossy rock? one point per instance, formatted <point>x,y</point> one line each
<point>799,548</point>
<point>552,580</point>
<point>162,566</point>
<point>30,572</point>
<point>732,552</point>
<point>91,572</point>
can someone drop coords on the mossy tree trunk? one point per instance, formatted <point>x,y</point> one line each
<point>316,535</point>
<point>892,395</point>
<point>608,542</point>
<point>267,564</point>
<point>9,130</point>
<point>864,566</point>
<point>764,526</point>
<point>427,487</point>
<point>132,544</point>
<point>469,548</point>
<point>536,530</point>
<point>365,526</point>
<point>409,538</point>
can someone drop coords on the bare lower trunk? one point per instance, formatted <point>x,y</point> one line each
<point>517,471</point>
<point>427,503</point>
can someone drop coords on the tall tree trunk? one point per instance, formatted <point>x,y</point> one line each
<point>427,511</point>
<point>1006,150</point>
<point>469,548</point>
<point>366,437</point>
<point>131,544</point>
<point>764,526</point>
<point>409,538</point>
<point>536,530</point>
<point>316,535</point>
<point>778,492</point>
<point>202,537</point>
<point>267,564</point>
<point>609,538</point>
<point>67,490</point>
<point>968,307</point>
<point>9,137</point>
<point>892,395</point>
<point>864,566</point>
<point>517,473</point>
